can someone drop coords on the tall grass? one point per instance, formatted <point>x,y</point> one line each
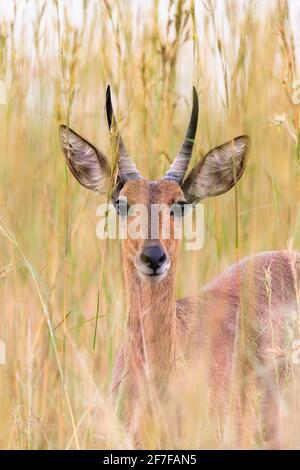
<point>56,278</point>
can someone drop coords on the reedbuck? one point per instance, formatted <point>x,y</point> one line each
<point>237,323</point>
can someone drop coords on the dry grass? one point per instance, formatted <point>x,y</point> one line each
<point>53,270</point>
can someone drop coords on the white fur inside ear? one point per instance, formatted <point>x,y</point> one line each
<point>89,166</point>
<point>218,171</point>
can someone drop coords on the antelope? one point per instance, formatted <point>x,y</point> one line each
<point>260,291</point>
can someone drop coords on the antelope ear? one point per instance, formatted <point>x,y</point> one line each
<point>89,166</point>
<point>218,171</point>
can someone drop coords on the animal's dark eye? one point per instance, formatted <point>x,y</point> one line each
<point>178,209</point>
<point>121,206</point>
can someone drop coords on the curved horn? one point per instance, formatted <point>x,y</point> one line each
<point>127,168</point>
<point>179,166</point>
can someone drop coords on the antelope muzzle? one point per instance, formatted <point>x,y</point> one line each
<point>153,263</point>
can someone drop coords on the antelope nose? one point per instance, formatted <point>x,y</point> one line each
<point>153,257</point>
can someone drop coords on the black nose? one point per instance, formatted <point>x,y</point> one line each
<point>153,257</point>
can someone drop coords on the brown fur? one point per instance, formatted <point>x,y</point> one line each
<point>254,298</point>
<point>239,322</point>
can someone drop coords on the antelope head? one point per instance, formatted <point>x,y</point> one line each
<point>151,258</point>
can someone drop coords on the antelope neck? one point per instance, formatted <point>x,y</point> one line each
<point>151,324</point>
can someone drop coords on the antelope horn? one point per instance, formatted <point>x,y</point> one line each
<point>127,168</point>
<point>179,166</point>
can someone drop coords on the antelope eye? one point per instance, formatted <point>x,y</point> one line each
<point>121,206</point>
<point>178,209</point>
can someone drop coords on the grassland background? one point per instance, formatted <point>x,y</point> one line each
<point>242,57</point>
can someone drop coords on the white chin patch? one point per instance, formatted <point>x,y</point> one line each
<point>147,274</point>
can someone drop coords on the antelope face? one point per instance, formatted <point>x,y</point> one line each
<point>151,251</point>
<point>151,254</point>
